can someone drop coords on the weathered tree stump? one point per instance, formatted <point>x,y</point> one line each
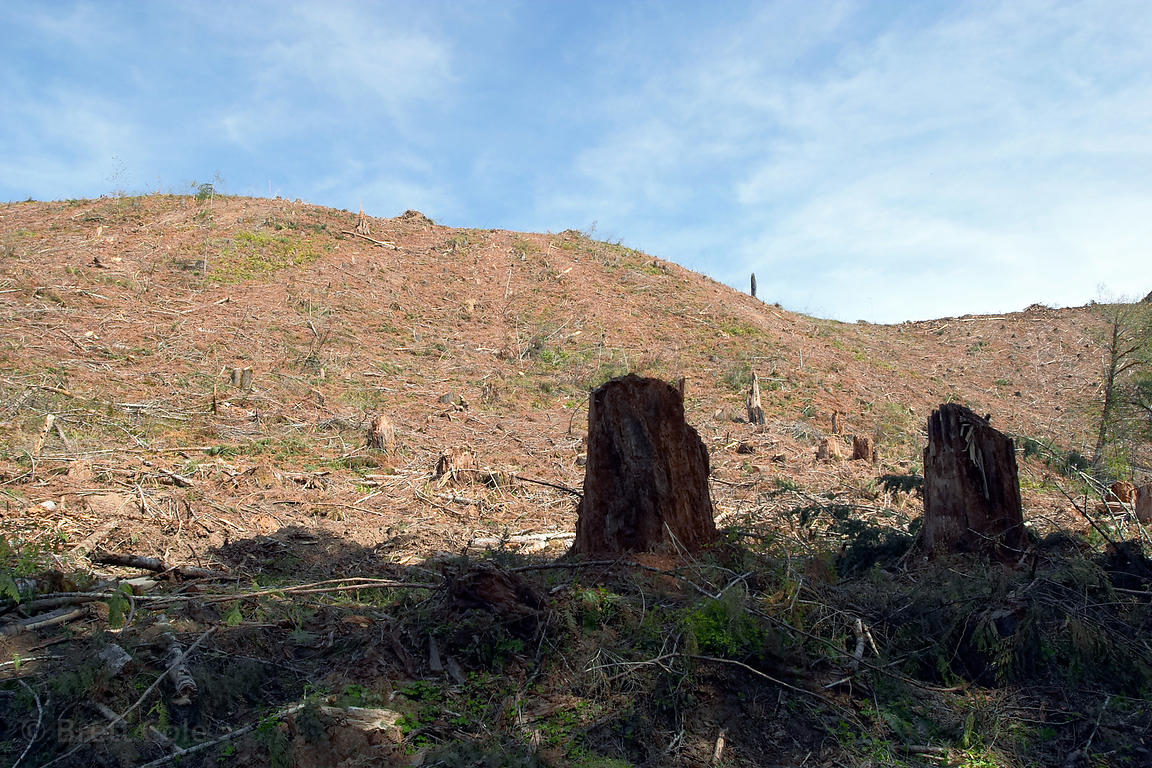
<point>646,479</point>
<point>829,450</point>
<point>381,434</point>
<point>452,463</point>
<point>835,422</point>
<point>753,285</point>
<point>755,412</point>
<point>971,486</point>
<point>863,448</point>
<point>1144,503</point>
<point>362,227</point>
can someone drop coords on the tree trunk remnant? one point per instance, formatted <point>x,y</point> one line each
<point>381,434</point>
<point>646,479</point>
<point>971,486</point>
<point>753,285</point>
<point>755,412</point>
<point>829,450</point>
<point>863,449</point>
<point>1144,503</point>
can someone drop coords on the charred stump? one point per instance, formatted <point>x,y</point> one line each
<point>971,486</point>
<point>646,479</point>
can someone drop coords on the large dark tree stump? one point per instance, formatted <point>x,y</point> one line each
<point>971,486</point>
<point>646,480</point>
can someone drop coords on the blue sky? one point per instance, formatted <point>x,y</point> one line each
<point>868,160</point>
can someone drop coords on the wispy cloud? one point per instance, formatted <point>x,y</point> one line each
<point>974,160</point>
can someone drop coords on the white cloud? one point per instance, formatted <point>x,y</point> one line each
<point>977,161</point>
<point>321,66</point>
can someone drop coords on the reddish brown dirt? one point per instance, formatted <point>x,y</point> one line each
<point>124,317</point>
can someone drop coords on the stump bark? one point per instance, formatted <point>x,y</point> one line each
<point>381,434</point>
<point>646,478</point>
<point>829,450</point>
<point>863,449</point>
<point>971,486</point>
<point>755,411</point>
<point>1144,503</point>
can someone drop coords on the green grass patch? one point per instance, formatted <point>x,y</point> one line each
<point>252,254</point>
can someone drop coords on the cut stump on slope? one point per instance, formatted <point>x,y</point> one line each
<point>646,480</point>
<point>971,486</point>
<point>864,449</point>
<point>1144,503</point>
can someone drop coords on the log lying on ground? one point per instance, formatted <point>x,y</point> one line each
<point>159,566</point>
<point>971,486</point>
<point>646,480</point>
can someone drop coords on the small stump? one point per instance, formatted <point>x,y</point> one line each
<point>381,434</point>
<point>829,450</point>
<point>971,486</point>
<point>646,479</point>
<point>863,449</point>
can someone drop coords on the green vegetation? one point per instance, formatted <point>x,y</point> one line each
<point>1124,413</point>
<point>252,254</point>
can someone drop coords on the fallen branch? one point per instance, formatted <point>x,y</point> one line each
<point>291,710</point>
<point>59,600</point>
<point>381,243</point>
<point>337,585</point>
<point>147,692</point>
<point>159,566</point>
<point>59,616</point>
<point>547,484</point>
<point>97,536</point>
<point>180,480</point>
<point>183,684</point>
<point>39,720</point>
<point>527,538</point>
